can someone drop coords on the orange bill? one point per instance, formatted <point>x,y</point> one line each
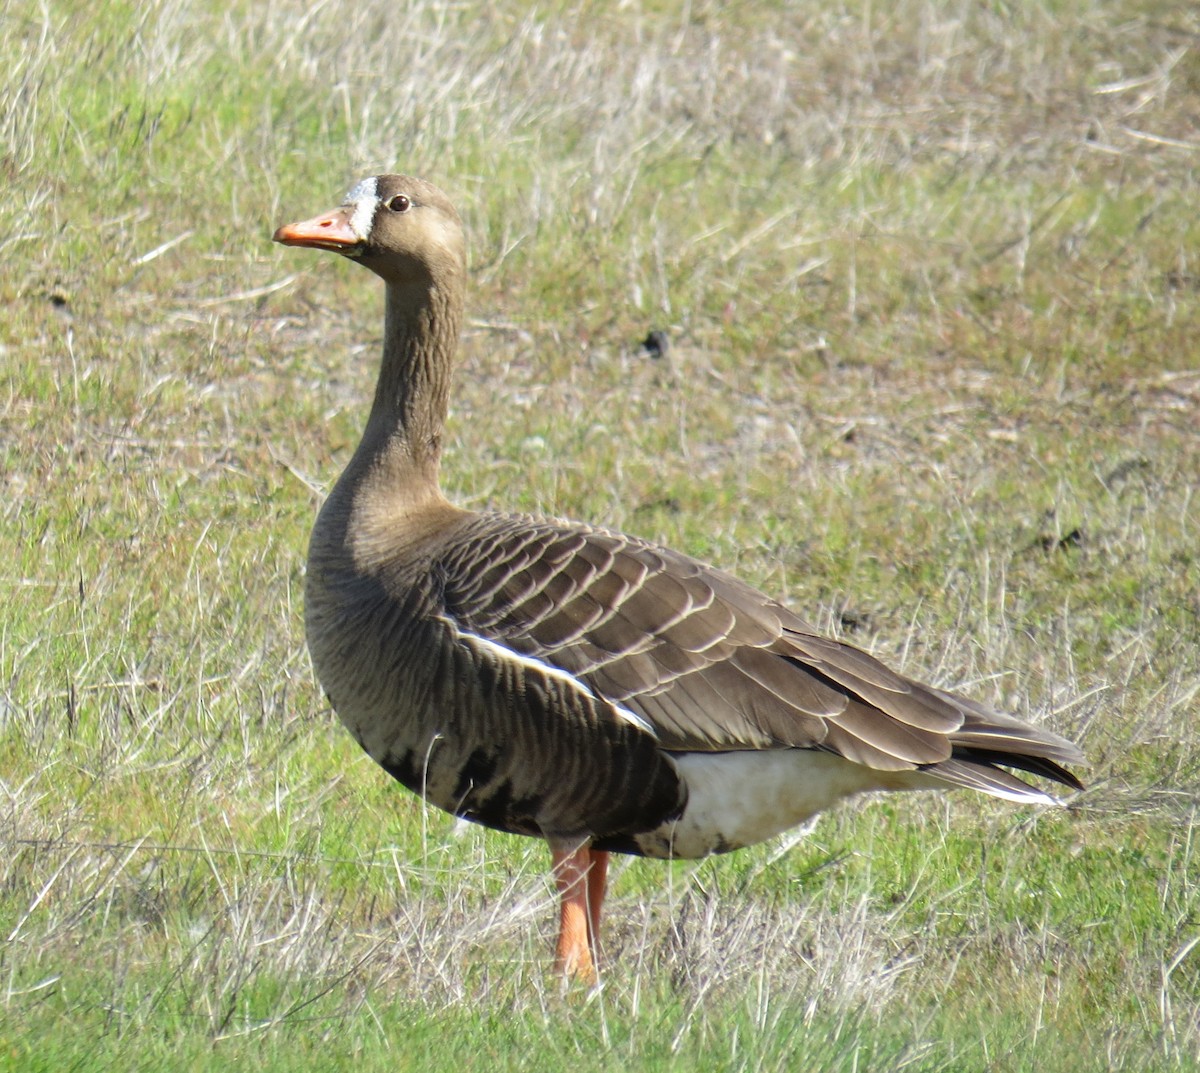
<point>329,231</point>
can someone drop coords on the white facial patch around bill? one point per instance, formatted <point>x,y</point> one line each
<point>364,197</point>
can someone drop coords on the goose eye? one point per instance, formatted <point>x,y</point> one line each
<point>399,203</point>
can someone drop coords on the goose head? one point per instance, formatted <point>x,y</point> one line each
<point>403,229</point>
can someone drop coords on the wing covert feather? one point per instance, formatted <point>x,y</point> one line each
<point>707,661</point>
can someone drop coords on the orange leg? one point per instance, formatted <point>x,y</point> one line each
<point>597,884</point>
<point>580,876</point>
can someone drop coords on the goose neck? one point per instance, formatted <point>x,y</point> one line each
<point>408,415</point>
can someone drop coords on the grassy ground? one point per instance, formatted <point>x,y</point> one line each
<point>930,272</point>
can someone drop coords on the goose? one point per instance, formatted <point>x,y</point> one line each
<point>570,682</point>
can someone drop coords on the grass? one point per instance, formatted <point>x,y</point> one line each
<point>929,275</point>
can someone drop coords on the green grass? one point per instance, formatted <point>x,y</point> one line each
<point>929,275</point>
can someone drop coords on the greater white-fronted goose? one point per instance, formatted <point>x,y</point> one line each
<point>560,680</point>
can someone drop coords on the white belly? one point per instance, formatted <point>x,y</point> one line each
<point>737,799</point>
